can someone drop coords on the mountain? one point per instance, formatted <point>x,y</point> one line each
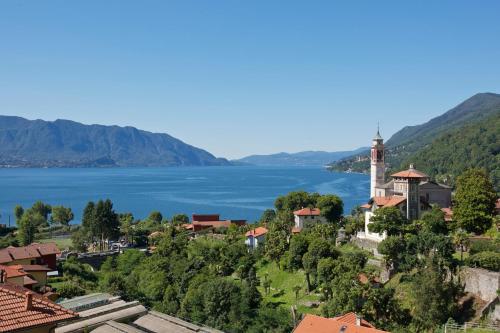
<point>304,158</point>
<point>471,146</point>
<point>64,143</point>
<point>412,142</point>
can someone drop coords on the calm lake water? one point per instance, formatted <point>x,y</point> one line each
<point>234,192</point>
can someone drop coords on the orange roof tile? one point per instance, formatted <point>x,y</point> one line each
<point>45,248</point>
<point>25,252</point>
<point>410,173</point>
<point>13,271</point>
<point>316,324</point>
<point>35,268</point>
<point>296,230</point>
<point>350,318</point>
<point>307,212</point>
<point>15,316</point>
<point>259,231</point>
<point>388,201</point>
<point>366,206</point>
<point>5,256</point>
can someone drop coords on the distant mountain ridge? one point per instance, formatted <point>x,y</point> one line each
<point>414,143</point>
<point>304,158</point>
<point>65,143</point>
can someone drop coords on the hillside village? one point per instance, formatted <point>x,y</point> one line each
<point>418,256</point>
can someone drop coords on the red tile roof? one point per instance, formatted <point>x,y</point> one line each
<point>366,206</point>
<point>5,256</point>
<point>316,324</point>
<point>24,252</point>
<point>307,212</point>
<point>13,271</point>
<point>410,173</point>
<point>15,316</point>
<point>350,318</point>
<point>259,231</point>
<point>388,201</point>
<point>45,248</point>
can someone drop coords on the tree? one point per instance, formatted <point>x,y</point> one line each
<point>331,207</point>
<point>179,219</point>
<point>296,200</point>
<point>474,201</point>
<point>433,221</point>
<point>155,217</point>
<point>126,225</point>
<point>268,216</point>
<point>43,209</point>
<point>296,289</point>
<point>277,239</point>
<point>434,298</point>
<point>298,246</point>
<point>62,215</point>
<point>28,226</point>
<point>388,219</point>
<point>18,213</point>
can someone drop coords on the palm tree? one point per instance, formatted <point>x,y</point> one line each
<point>461,240</point>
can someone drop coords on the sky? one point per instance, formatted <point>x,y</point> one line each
<point>248,77</point>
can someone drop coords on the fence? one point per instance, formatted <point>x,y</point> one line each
<point>470,328</point>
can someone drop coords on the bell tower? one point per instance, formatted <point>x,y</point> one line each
<point>377,171</point>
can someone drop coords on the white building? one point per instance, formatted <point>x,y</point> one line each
<point>409,190</point>
<point>306,216</point>
<point>256,237</point>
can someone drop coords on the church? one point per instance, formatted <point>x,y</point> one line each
<point>410,190</point>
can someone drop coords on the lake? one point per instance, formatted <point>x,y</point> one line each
<point>242,192</point>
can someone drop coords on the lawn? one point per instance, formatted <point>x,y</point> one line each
<point>62,243</point>
<point>282,288</point>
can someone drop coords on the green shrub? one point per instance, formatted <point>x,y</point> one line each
<point>487,260</point>
<point>70,290</point>
<point>483,246</point>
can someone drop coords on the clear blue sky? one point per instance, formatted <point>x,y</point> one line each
<point>244,77</point>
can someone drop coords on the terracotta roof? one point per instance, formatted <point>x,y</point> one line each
<point>296,230</point>
<point>14,315</point>
<point>316,324</point>
<point>5,256</point>
<point>307,212</point>
<point>13,271</point>
<point>24,252</point>
<point>388,201</point>
<point>350,318</point>
<point>45,248</point>
<point>259,231</point>
<point>410,173</point>
<point>366,206</point>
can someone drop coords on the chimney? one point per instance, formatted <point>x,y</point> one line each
<point>28,301</point>
<point>358,320</point>
<point>2,276</point>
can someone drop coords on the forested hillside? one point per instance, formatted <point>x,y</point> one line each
<point>440,145</point>
<point>476,145</point>
<point>64,143</point>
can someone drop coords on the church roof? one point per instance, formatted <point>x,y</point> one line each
<point>410,173</point>
<point>377,136</point>
<point>388,201</point>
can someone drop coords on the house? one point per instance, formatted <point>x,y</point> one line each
<point>201,222</point>
<point>411,191</point>
<point>24,311</point>
<point>28,266</point>
<point>28,276</point>
<point>255,237</point>
<point>306,216</point>
<point>33,254</point>
<point>348,323</point>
